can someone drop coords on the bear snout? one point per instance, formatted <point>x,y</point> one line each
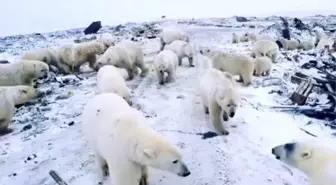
<point>275,152</point>
<point>184,171</point>
<point>232,114</point>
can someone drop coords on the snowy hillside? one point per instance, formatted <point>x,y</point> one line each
<point>48,135</point>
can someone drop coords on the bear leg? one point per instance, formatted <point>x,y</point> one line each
<point>240,79</point>
<point>162,44</point>
<point>160,76</point>
<point>206,109</point>
<point>274,57</point>
<point>170,76</point>
<point>267,73</point>
<point>101,166</point>
<point>92,61</point>
<point>216,119</point>
<point>191,61</point>
<point>144,176</point>
<point>4,127</point>
<point>141,64</point>
<point>179,61</point>
<point>124,172</point>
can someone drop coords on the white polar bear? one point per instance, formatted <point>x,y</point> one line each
<point>124,142</point>
<point>325,42</point>
<point>21,94</point>
<point>72,56</point>
<point>165,62</point>
<point>219,97</point>
<point>235,38</point>
<point>288,44</point>
<point>46,55</point>
<point>313,157</point>
<point>306,45</point>
<point>127,55</point>
<point>22,72</point>
<point>263,66</point>
<point>234,63</point>
<point>265,48</point>
<point>107,39</point>
<point>182,49</point>
<point>319,34</point>
<point>109,79</point>
<point>169,35</point>
<point>6,113</point>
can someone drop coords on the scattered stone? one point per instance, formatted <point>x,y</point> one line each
<point>27,127</point>
<point>241,19</point>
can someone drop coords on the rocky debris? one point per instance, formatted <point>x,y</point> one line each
<point>4,62</point>
<point>93,28</point>
<point>241,19</point>
<point>85,39</point>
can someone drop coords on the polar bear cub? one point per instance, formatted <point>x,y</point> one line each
<point>22,72</point>
<point>263,66</point>
<point>313,157</point>
<point>165,62</point>
<point>109,79</point>
<point>124,142</point>
<point>182,49</point>
<point>169,35</point>
<point>234,63</point>
<point>219,97</point>
<point>265,48</point>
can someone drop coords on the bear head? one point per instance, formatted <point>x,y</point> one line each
<point>228,101</point>
<point>35,69</point>
<point>22,93</point>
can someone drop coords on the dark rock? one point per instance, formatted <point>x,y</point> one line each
<point>163,16</point>
<point>27,127</point>
<point>93,28</point>
<point>251,26</point>
<point>298,24</point>
<point>286,34</point>
<point>151,36</point>
<point>241,19</point>
<point>71,123</point>
<point>4,62</point>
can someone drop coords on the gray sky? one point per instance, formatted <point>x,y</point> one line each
<point>24,16</point>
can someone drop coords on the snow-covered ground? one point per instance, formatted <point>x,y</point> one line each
<point>55,140</point>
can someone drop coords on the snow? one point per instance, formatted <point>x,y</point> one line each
<point>242,158</point>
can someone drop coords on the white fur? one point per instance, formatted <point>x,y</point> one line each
<point>313,157</point>
<point>169,35</point>
<point>289,44</point>
<point>306,45</point>
<point>127,55</point>
<point>235,38</point>
<point>325,41</point>
<point>219,97</point>
<point>265,48</point>
<point>109,79</point>
<point>234,63</point>
<point>6,112</point>
<point>263,66</point>
<point>319,34</point>
<point>20,94</point>
<point>166,62</point>
<point>123,140</point>
<point>42,54</point>
<point>182,49</point>
<point>107,39</point>
<point>22,72</point>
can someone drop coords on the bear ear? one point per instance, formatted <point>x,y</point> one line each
<point>149,153</point>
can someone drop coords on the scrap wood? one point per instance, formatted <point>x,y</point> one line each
<point>307,132</point>
<point>57,178</point>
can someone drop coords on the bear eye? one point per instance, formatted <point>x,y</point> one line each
<point>24,91</point>
<point>175,161</point>
<point>208,50</point>
<point>304,155</point>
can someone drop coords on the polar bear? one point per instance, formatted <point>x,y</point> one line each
<point>313,157</point>
<point>165,62</point>
<point>21,94</point>
<point>325,42</point>
<point>265,48</point>
<point>219,97</point>
<point>263,66</point>
<point>45,55</point>
<point>319,34</point>
<point>288,44</point>
<point>127,55</point>
<point>234,63</point>
<point>235,38</point>
<point>182,49</point>
<point>124,142</point>
<point>107,39</point>
<point>306,45</point>
<point>109,79</point>
<point>6,113</point>
<point>169,35</point>
<point>72,56</point>
<point>22,72</point>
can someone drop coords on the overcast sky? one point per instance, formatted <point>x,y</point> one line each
<point>24,16</point>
